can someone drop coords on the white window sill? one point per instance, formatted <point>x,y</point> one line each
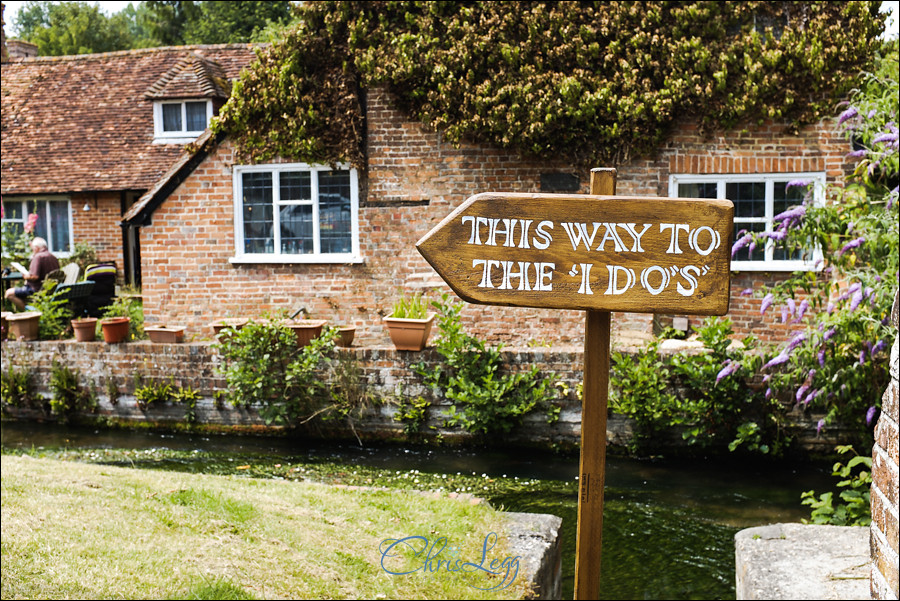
<point>775,266</point>
<point>295,259</point>
<point>176,140</point>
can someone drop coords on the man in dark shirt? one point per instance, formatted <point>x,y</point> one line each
<point>42,263</point>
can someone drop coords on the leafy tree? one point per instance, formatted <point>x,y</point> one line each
<point>231,22</point>
<point>72,28</point>
<point>596,83</point>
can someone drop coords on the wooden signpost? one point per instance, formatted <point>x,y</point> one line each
<point>599,253</point>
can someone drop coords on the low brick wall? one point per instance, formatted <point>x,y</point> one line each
<point>387,374</point>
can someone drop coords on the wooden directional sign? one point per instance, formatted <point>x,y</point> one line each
<point>565,251</point>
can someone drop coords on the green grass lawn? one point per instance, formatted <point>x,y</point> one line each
<point>75,530</point>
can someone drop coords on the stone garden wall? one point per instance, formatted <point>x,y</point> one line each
<point>387,376</point>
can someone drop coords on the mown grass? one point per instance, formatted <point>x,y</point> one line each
<point>92,531</point>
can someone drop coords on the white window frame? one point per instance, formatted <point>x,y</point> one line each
<point>277,256</point>
<point>49,238</point>
<point>178,137</point>
<point>817,181</point>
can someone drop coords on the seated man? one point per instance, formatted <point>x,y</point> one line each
<point>42,263</point>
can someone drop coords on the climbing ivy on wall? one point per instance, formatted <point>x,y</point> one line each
<point>596,83</point>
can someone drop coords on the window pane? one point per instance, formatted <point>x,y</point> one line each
<point>749,198</point>
<point>40,227</point>
<point>698,190</point>
<point>334,212</point>
<point>196,116</point>
<point>785,198</point>
<point>744,253</point>
<point>171,117</point>
<point>59,227</point>
<point>259,236</point>
<point>13,210</point>
<point>296,229</point>
<point>296,185</point>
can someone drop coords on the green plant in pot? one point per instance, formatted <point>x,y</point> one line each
<point>123,320</point>
<point>409,324</point>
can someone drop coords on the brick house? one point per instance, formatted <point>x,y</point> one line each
<point>84,136</point>
<point>199,227</point>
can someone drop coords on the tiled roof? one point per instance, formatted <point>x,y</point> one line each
<point>192,77</point>
<point>85,123</point>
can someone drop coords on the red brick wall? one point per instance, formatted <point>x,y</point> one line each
<point>99,227</point>
<point>414,180</point>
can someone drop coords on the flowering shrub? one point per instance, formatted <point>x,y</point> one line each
<point>594,83</point>
<point>16,240</point>
<point>838,362</point>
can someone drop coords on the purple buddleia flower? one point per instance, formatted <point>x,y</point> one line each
<point>851,245</point>
<point>878,346</point>
<point>856,300</point>
<point>870,415</point>
<point>810,397</point>
<point>777,235</point>
<point>810,375</point>
<point>740,243</point>
<point>804,305</point>
<point>778,360</point>
<point>830,308</point>
<point>801,391</point>
<point>768,393</point>
<point>856,154</point>
<point>886,137</point>
<point>796,183</point>
<point>730,368</point>
<point>766,378</point>
<point>746,291</point>
<point>796,341</point>
<point>871,114</point>
<point>820,426</point>
<point>784,313</point>
<point>752,247</point>
<point>792,306</point>
<point>848,114</point>
<point>862,357</point>
<point>766,303</point>
<point>822,358</point>
<point>831,332</point>
<point>793,213</point>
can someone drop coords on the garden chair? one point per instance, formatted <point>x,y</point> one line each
<point>72,271</point>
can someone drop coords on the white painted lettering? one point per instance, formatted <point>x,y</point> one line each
<point>544,275</point>
<point>614,271</point>
<point>509,274</point>
<point>545,237</point>
<point>578,233</point>
<point>585,287</point>
<point>611,235</point>
<point>645,279</point>
<point>688,273</point>
<point>630,228</point>
<point>675,227</point>
<point>486,274</point>
<point>714,240</point>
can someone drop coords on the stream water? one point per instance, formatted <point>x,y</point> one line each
<point>668,525</point>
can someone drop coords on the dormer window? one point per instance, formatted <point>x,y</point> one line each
<point>181,121</point>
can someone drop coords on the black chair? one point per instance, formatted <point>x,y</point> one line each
<point>75,295</point>
<point>103,275</point>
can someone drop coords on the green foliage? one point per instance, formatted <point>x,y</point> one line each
<point>485,400</point>
<point>838,362</point>
<point>153,393</point>
<point>55,314</point>
<point>68,398</point>
<point>126,306</point>
<point>855,507</point>
<point>412,413</point>
<point>63,28</point>
<point>590,83</point>
<point>83,255</point>
<point>692,391</point>
<point>17,388</point>
<point>411,307</point>
<point>188,397</point>
<point>264,368</point>
<point>233,22</point>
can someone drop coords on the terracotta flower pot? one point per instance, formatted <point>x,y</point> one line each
<point>115,329</point>
<point>165,334</point>
<point>229,322</point>
<point>23,326</point>
<point>85,329</point>
<point>409,334</point>
<point>305,329</point>
<point>346,333</point>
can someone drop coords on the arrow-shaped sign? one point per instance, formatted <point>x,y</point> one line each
<point>611,253</point>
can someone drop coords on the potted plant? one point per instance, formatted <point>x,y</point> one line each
<point>165,334</point>
<point>121,319</point>
<point>228,322</point>
<point>346,335</point>
<point>23,326</point>
<point>305,329</point>
<point>409,324</point>
<point>85,329</point>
